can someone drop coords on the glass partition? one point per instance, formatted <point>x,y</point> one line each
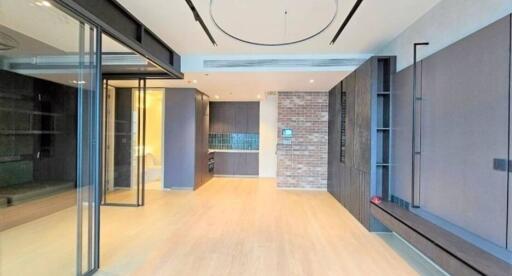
<point>47,128</point>
<point>124,139</point>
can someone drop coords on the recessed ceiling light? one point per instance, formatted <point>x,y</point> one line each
<point>194,81</point>
<point>43,3</point>
<point>217,97</point>
<point>311,81</point>
<point>258,96</point>
<point>78,82</point>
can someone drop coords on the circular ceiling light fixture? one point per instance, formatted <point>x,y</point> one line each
<point>7,42</point>
<point>273,22</point>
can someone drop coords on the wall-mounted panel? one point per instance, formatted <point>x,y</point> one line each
<point>465,88</point>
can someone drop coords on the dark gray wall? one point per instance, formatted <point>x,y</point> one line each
<point>179,129</point>
<point>464,126</point>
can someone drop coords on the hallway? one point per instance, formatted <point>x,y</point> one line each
<point>243,227</point>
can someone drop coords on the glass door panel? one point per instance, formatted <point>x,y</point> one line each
<point>124,140</point>
<point>47,128</point>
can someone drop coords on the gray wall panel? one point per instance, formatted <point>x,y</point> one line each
<point>186,136</point>
<point>464,126</point>
<point>180,129</point>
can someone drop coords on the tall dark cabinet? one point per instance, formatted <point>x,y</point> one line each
<point>186,138</point>
<point>358,156</point>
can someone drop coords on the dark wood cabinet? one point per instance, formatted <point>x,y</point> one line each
<point>253,119</point>
<point>234,117</point>
<point>236,163</point>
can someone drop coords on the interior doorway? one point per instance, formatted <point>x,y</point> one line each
<point>124,138</point>
<point>154,157</point>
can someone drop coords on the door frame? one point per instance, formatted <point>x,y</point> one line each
<point>140,142</point>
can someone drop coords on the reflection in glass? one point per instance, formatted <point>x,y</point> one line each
<point>47,81</point>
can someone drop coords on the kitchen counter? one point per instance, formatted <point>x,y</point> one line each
<point>232,150</point>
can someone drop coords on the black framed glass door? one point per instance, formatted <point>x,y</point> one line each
<point>124,140</point>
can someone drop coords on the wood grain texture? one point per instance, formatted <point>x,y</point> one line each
<point>234,117</point>
<point>451,252</point>
<point>28,211</point>
<point>228,227</point>
<point>350,180</point>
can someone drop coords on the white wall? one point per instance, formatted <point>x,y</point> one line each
<point>446,23</point>
<point>268,137</point>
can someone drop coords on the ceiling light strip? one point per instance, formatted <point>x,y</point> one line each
<point>200,20</point>
<point>347,19</point>
<point>274,44</point>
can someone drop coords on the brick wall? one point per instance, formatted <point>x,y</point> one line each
<point>302,159</point>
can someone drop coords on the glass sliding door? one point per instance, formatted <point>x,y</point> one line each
<point>124,139</point>
<point>48,128</point>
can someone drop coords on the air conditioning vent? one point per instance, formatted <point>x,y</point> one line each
<point>276,63</point>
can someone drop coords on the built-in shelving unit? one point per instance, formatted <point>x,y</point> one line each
<point>382,111</point>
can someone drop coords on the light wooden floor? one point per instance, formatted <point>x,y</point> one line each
<point>227,227</point>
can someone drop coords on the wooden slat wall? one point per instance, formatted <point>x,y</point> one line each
<point>350,182</point>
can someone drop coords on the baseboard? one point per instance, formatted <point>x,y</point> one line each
<point>303,189</point>
<point>234,176</point>
<point>179,189</point>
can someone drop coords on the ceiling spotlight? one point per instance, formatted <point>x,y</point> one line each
<point>194,81</point>
<point>258,96</point>
<point>311,81</point>
<point>217,97</point>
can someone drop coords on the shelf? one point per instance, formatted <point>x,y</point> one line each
<point>383,164</point>
<point>31,112</point>
<point>383,93</point>
<point>15,158</point>
<point>383,128</point>
<point>27,132</point>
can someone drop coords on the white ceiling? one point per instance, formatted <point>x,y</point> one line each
<point>374,25</point>
<point>246,86</point>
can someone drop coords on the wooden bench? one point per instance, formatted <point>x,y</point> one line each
<point>454,254</point>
